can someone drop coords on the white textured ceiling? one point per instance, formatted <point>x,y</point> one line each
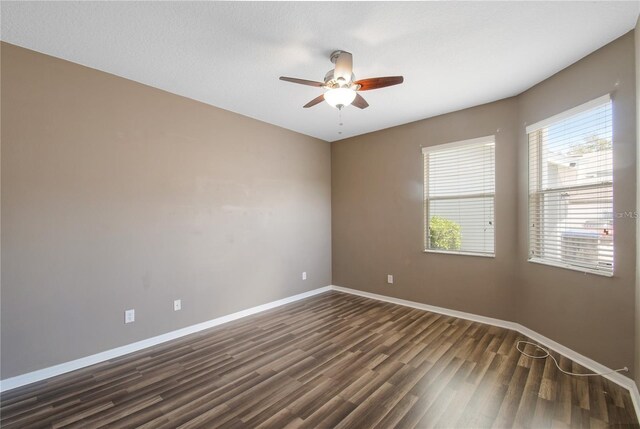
<point>453,55</point>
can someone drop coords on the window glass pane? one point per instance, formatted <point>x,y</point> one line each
<point>462,171</point>
<point>577,228</point>
<point>459,196</point>
<point>571,191</point>
<point>463,224</point>
<point>578,151</point>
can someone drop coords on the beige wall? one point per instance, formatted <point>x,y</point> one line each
<point>116,195</point>
<point>377,216</point>
<point>591,314</point>
<point>377,188</point>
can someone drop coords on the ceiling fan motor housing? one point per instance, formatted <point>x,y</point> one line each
<point>343,70</point>
<point>331,82</point>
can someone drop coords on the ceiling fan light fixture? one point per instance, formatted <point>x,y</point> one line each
<point>340,97</point>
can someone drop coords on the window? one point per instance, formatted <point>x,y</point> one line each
<point>571,189</point>
<point>459,194</point>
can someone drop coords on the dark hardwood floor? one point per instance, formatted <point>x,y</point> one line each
<point>330,361</point>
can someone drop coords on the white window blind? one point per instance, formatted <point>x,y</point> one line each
<point>459,194</point>
<point>571,189</point>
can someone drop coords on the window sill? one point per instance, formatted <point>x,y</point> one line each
<point>570,267</point>
<point>448,252</point>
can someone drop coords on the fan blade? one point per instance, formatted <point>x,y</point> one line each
<point>301,81</point>
<point>378,82</point>
<point>344,66</point>
<point>360,102</point>
<point>318,99</point>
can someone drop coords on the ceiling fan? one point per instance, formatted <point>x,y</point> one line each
<point>341,85</point>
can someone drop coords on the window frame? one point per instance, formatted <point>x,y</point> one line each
<point>425,197</point>
<point>537,128</point>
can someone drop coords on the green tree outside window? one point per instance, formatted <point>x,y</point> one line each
<point>444,234</point>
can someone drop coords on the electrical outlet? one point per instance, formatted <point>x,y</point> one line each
<point>390,279</point>
<point>177,305</point>
<point>304,275</point>
<point>130,316</point>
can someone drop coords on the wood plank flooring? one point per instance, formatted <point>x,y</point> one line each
<point>330,361</point>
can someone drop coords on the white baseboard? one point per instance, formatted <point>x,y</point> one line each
<point>42,374</point>
<point>635,397</point>
<point>427,307</point>
<point>52,371</point>
<point>586,362</point>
